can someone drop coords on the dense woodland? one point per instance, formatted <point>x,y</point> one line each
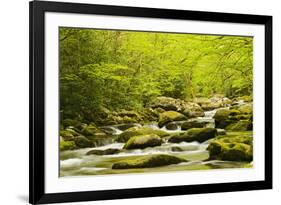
<point>126,70</point>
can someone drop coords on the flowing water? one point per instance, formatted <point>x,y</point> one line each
<point>76,162</point>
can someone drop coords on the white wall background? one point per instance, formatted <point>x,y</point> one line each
<point>14,44</point>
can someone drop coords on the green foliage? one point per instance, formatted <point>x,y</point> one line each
<point>126,70</point>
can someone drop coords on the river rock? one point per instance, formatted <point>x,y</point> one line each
<point>223,117</point>
<point>189,109</point>
<point>136,131</point>
<point>245,98</point>
<point>242,125</point>
<point>66,135</point>
<point>177,149</point>
<point>103,152</point>
<point>246,108</point>
<point>67,145</point>
<point>171,126</point>
<point>192,124</point>
<point>194,134</point>
<point>122,117</point>
<point>71,122</point>
<point>92,130</point>
<point>127,126</point>
<point>148,161</point>
<point>143,141</point>
<point>214,102</point>
<point>82,142</point>
<point>239,148</point>
<point>221,131</point>
<point>170,116</point>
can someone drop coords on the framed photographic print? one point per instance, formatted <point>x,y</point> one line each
<point>141,102</point>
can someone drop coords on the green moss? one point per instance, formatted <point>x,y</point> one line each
<point>136,131</point>
<point>239,148</point>
<point>71,122</point>
<point>242,125</point>
<point>192,124</point>
<point>245,98</point>
<point>223,114</point>
<point>67,145</point>
<point>66,135</point>
<point>103,152</point>
<point>237,152</point>
<point>194,134</point>
<point>143,141</point>
<point>148,162</point>
<point>170,116</point>
<point>82,142</point>
<point>246,109</point>
<point>91,130</point>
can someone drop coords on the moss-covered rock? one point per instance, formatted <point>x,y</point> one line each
<point>148,162</point>
<point>66,135</point>
<point>67,145</point>
<point>224,117</point>
<point>231,148</point>
<point>246,109</point>
<point>242,125</point>
<point>91,130</point>
<point>71,122</point>
<point>189,109</point>
<point>171,126</point>
<point>103,152</point>
<point>82,142</point>
<point>215,102</point>
<point>221,131</point>
<point>143,141</point>
<point>194,134</point>
<point>136,131</point>
<point>121,117</point>
<point>245,98</point>
<point>192,124</point>
<point>170,116</point>
<point>177,149</point>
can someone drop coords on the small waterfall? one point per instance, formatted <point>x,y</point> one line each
<point>164,128</point>
<point>111,130</point>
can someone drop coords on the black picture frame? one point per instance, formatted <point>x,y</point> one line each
<point>37,9</point>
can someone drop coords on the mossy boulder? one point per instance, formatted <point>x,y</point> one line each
<point>192,124</point>
<point>231,149</point>
<point>66,135</point>
<point>170,116</point>
<point>242,125</point>
<point>171,126</point>
<point>82,142</point>
<point>214,102</point>
<point>189,109</point>
<point>245,98</point>
<point>224,117</point>
<point>67,145</point>
<point>71,122</point>
<point>246,109</point>
<point>143,141</point>
<point>103,152</point>
<point>121,117</point>
<point>91,130</point>
<point>148,162</point>
<point>136,131</point>
<point>221,131</point>
<point>194,134</point>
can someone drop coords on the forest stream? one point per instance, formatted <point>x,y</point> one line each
<point>77,162</point>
